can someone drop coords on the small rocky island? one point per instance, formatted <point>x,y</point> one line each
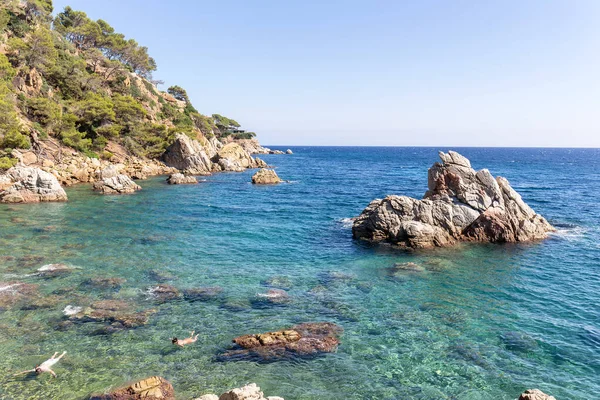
<point>461,205</point>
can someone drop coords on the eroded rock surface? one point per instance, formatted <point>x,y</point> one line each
<point>29,185</point>
<point>119,184</point>
<point>302,340</point>
<point>188,155</point>
<point>265,177</point>
<point>461,205</point>
<point>233,157</point>
<point>248,392</point>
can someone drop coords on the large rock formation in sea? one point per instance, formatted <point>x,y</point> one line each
<point>233,157</point>
<point>29,185</point>
<point>302,340</point>
<point>265,177</point>
<point>461,205</point>
<point>118,184</point>
<point>181,179</point>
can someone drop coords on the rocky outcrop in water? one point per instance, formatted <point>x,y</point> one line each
<point>535,394</point>
<point>153,388</point>
<point>119,184</point>
<point>461,205</point>
<point>233,157</point>
<point>265,177</point>
<point>252,146</point>
<point>29,185</point>
<point>181,179</point>
<point>187,155</point>
<point>302,340</point>
<point>289,151</point>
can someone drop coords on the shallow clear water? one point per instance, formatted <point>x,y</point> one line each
<point>483,322</point>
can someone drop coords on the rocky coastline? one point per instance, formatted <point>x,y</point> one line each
<point>461,205</point>
<point>43,170</point>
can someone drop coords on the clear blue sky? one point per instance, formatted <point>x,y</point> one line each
<point>421,72</point>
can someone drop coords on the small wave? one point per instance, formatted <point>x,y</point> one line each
<point>569,231</point>
<point>347,222</point>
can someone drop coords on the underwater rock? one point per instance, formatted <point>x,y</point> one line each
<point>181,179</point>
<point>302,340</point>
<point>236,304</point>
<point>164,293</point>
<point>154,387</point>
<point>265,177</point>
<point>13,293</point>
<point>279,282</point>
<point>202,293</point>
<point>29,185</point>
<point>161,276</point>
<point>461,205</point>
<point>406,267</point>
<point>105,283</point>
<point>535,394</point>
<point>111,311</point>
<point>120,184</point>
<point>518,341</point>
<point>337,277</point>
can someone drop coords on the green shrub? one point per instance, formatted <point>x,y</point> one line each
<point>14,139</point>
<point>7,162</point>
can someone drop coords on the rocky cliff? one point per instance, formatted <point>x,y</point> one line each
<point>461,205</point>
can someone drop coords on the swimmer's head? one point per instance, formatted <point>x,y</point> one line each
<point>38,370</point>
<point>174,340</point>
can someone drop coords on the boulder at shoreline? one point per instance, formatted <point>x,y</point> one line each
<point>461,205</point>
<point>29,185</point>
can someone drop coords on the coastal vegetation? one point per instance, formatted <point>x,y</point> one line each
<point>81,82</point>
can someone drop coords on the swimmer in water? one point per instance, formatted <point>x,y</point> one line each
<point>45,366</point>
<point>183,342</point>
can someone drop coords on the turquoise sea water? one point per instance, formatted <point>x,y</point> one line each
<point>482,322</point>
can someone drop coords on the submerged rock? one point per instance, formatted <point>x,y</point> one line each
<point>535,394</point>
<point>29,185</point>
<point>265,177</point>
<point>402,269</point>
<point>203,293</point>
<point>13,293</point>
<point>151,388</point>
<point>302,340</point>
<point>461,205</point>
<point>164,293</point>
<point>105,283</point>
<point>113,312</point>
<point>181,179</point>
<point>120,184</point>
<point>280,282</point>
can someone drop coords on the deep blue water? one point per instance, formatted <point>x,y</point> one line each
<point>483,322</point>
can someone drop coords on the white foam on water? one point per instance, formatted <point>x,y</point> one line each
<point>9,288</point>
<point>72,310</point>
<point>347,222</point>
<point>571,233</point>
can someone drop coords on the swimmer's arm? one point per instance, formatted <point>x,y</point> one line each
<point>24,372</point>
<point>52,372</point>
